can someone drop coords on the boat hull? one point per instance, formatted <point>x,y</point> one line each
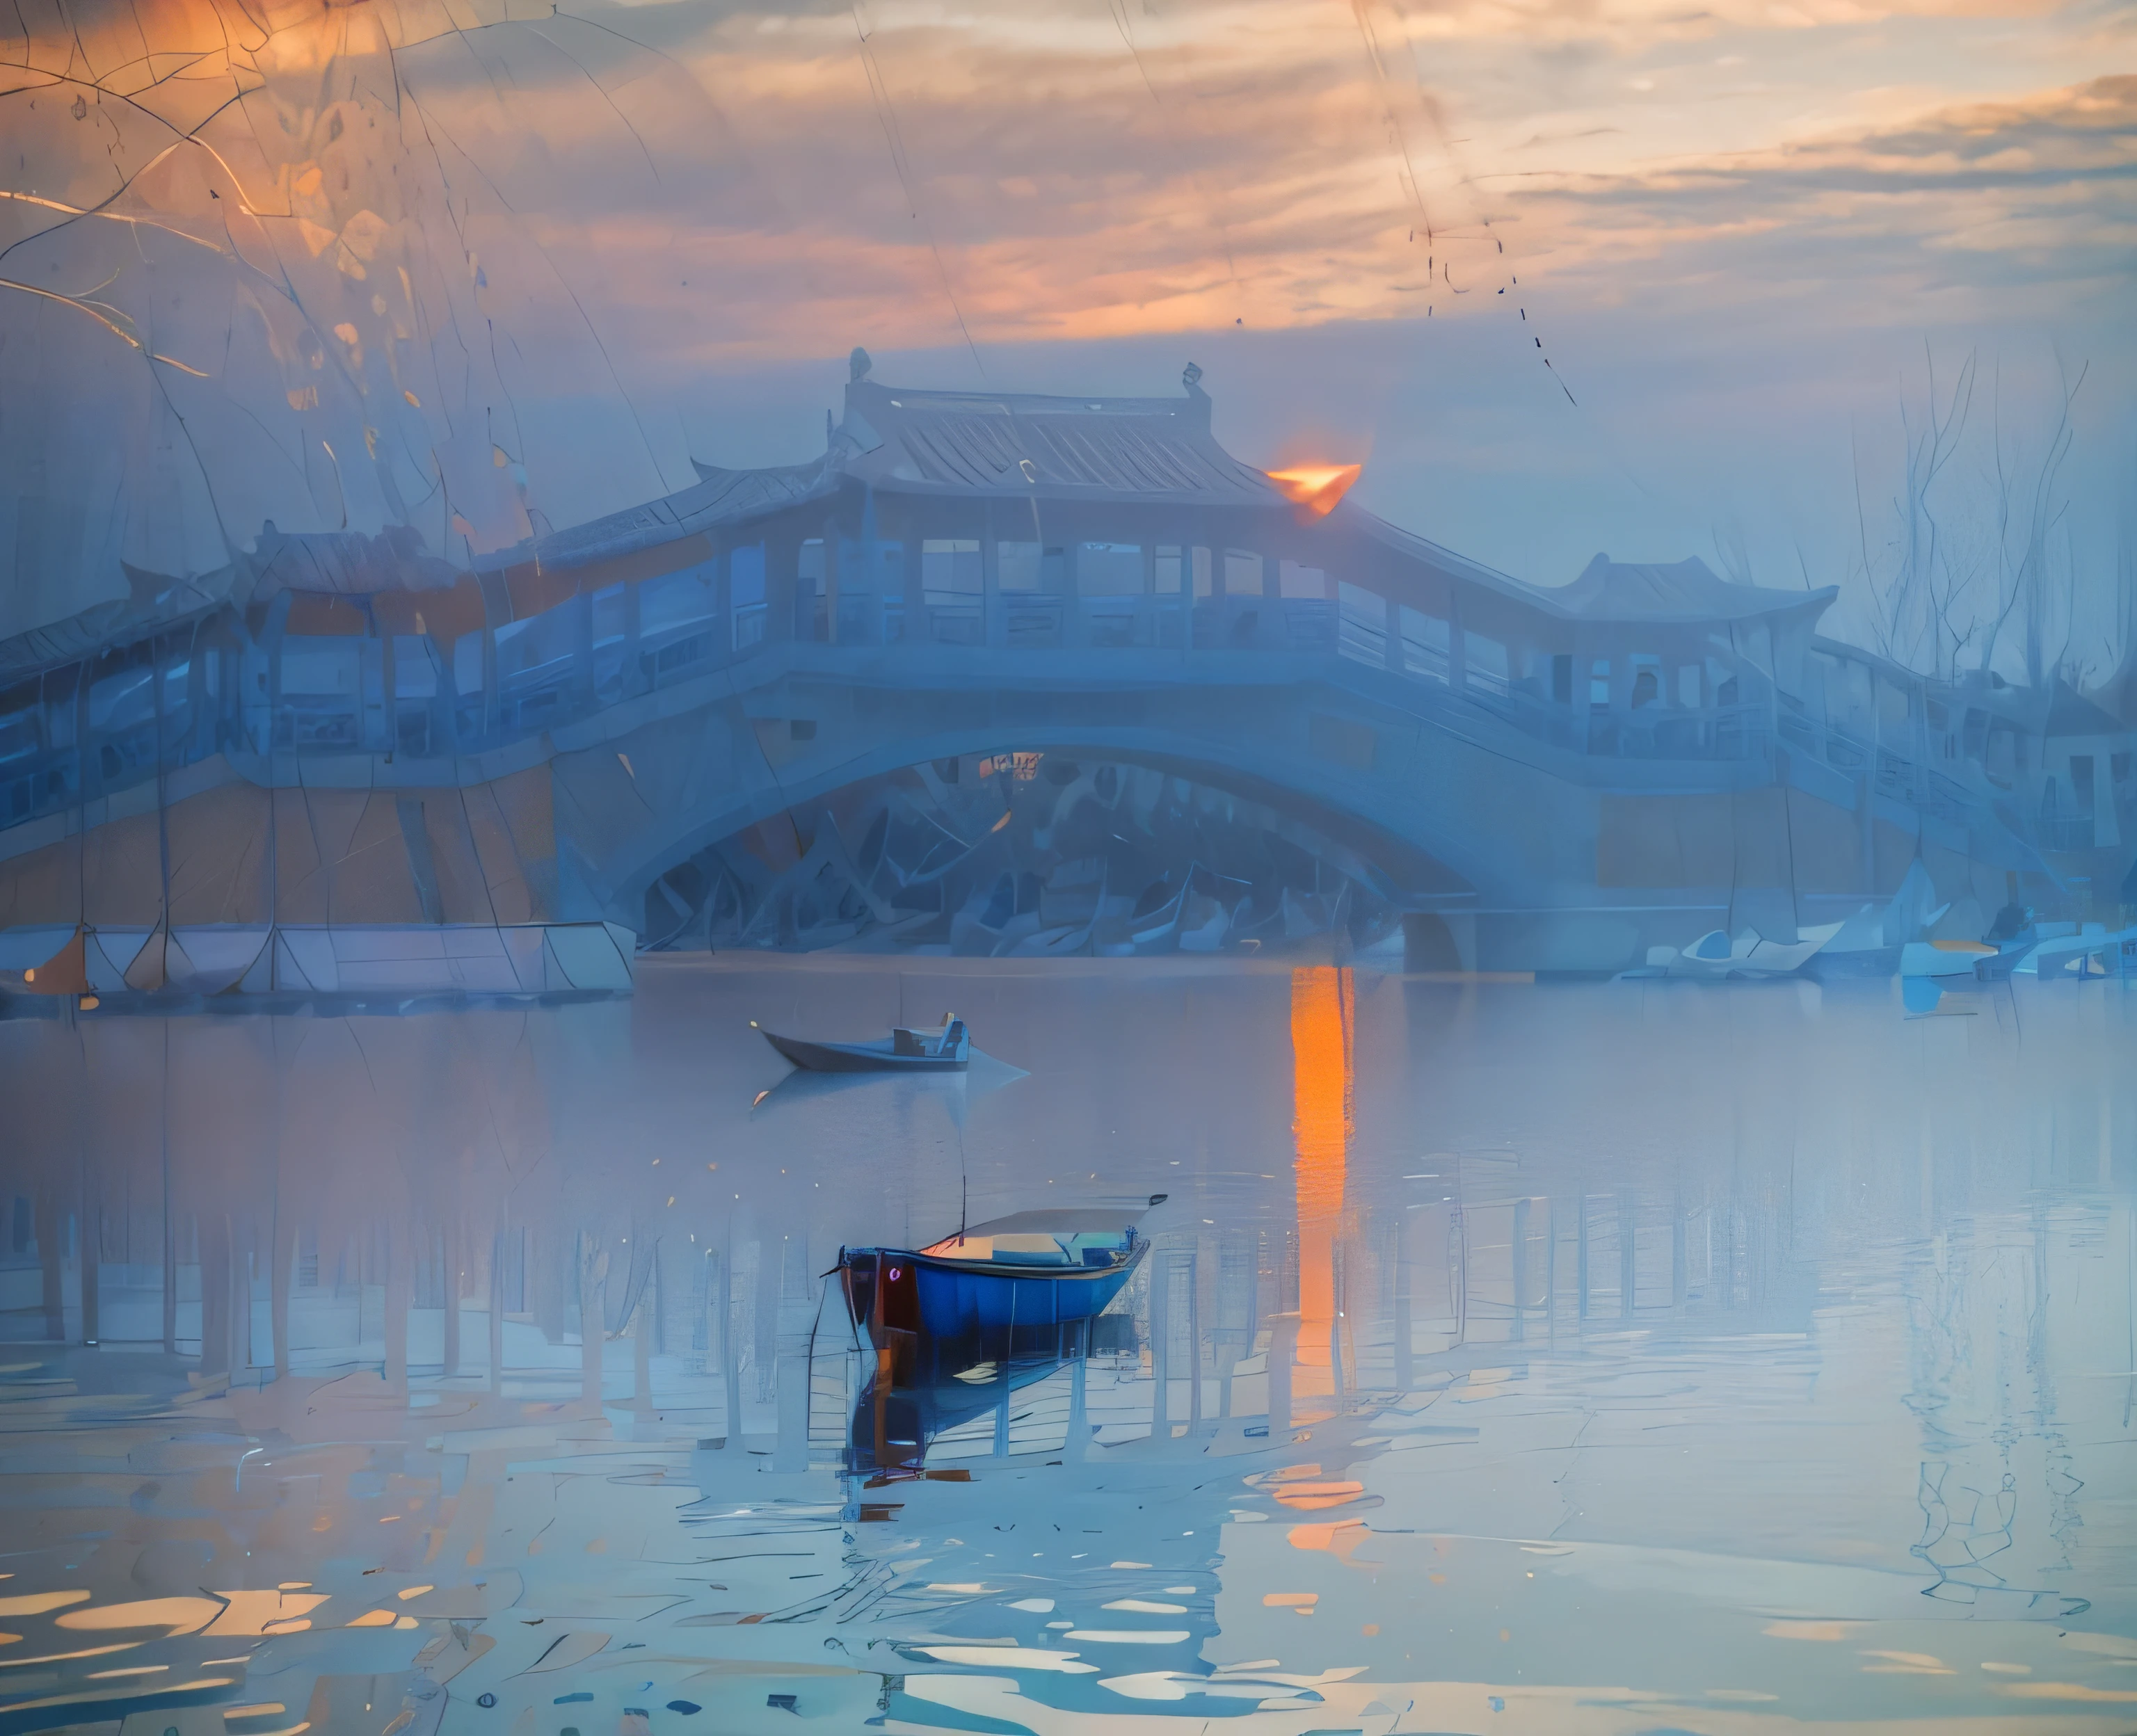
<point>863,1058</point>
<point>931,1322</point>
<point>951,1300</point>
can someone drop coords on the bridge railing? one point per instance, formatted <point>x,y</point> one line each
<point>73,735</point>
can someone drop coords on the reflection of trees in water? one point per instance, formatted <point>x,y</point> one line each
<point>1996,1488</point>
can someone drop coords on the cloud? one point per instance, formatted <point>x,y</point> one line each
<point>382,243</point>
<point>2022,204</point>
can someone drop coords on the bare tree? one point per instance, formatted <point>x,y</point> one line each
<point>2021,577</point>
<point>1919,619</point>
<point>1957,571</point>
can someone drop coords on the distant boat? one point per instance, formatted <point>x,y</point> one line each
<point>944,1049</point>
<point>980,1313</point>
<point>1715,957</point>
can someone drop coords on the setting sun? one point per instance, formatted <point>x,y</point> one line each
<point>1316,488</point>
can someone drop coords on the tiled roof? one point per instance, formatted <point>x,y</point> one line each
<point>1017,442</point>
<point>1687,591</point>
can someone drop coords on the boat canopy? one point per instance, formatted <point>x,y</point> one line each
<point>1065,1236</point>
<point>1065,1221</point>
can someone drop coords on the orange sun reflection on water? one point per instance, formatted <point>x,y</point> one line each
<point>1322,1009</point>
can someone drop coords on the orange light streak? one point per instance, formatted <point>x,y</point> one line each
<point>1322,1004</point>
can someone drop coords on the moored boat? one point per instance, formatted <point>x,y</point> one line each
<point>960,1322</point>
<point>943,1049</point>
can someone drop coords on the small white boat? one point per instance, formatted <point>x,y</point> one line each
<point>1714,956</point>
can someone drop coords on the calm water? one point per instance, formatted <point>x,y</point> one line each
<point>1646,1358</point>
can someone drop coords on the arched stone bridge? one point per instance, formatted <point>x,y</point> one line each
<point>1565,777</point>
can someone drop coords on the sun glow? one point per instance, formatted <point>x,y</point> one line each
<point>1315,489</point>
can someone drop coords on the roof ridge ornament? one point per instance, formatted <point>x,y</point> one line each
<point>858,365</point>
<point>1190,376</point>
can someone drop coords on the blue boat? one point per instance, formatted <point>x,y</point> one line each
<point>957,1325</point>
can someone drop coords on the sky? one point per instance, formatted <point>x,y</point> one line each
<point>1566,276</point>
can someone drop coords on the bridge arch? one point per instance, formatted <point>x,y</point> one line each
<point>1364,787</point>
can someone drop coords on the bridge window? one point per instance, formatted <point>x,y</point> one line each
<point>1205,571</point>
<point>1029,567</point>
<point>1854,691</point>
<point>2001,760</point>
<point>675,600</point>
<point>415,675</point>
<point>950,570</point>
<point>2081,777</point>
<point>467,663</point>
<point>1485,661</point>
<point>1292,580</point>
<point>1169,564</point>
<point>1424,643</point>
<point>1109,569</point>
<point>611,612</point>
<point>1242,573</point>
<point>415,686</point>
<point>811,610</point>
<point>309,668</point>
<point>126,698</point>
<point>536,651</point>
<point>746,593</point>
<point>1362,627</point>
<point>1687,686</point>
<point>1599,683</point>
<point>1561,679</point>
<point>1647,681</point>
<point>20,734</point>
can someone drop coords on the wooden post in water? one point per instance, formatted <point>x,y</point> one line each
<point>87,1265</point>
<point>730,1374</point>
<point>449,1280</point>
<point>496,1311</point>
<point>591,1329</point>
<point>215,1286</point>
<point>1629,1237</point>
<point>1188,1263</point>
<point>1079,1427</point>
<point>1518,1266</point>
<point>1002,1374</point>
<point>282,1244</point>
<point>1161,1346</point>
<point>50,1254</point>
<point>641,1351</point>
<point>1405,1367</point>
<point>396,1309</point>
<point>1283,1344</point>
